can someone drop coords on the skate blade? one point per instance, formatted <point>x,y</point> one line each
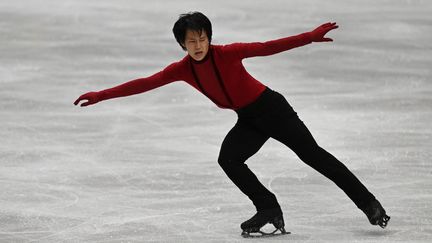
<point>262,234</point>
<point>384,221</point>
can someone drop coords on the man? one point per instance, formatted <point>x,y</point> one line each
<point>217,72</point>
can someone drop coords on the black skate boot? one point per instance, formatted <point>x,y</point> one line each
<point>253,225</point>
<point>376,214</point>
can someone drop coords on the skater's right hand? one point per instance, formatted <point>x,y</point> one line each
<point>91,97</point>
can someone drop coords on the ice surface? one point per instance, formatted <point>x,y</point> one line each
<point>143,168</point>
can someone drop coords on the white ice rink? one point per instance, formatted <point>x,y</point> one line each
<point>144,168</point>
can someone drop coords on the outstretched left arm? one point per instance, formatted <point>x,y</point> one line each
<point>246,50</point>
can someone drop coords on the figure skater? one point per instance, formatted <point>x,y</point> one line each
<point>217,72</point>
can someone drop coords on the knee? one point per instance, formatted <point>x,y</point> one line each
<point>221,161</point>
<point>226,161</point>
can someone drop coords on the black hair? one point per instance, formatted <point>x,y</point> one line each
<point>195,21</point>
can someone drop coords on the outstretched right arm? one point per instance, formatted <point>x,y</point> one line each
<point>129,88</point>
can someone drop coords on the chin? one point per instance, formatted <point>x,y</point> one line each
<point>198,58</point>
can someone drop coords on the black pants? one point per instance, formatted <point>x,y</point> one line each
<point>271,116</point>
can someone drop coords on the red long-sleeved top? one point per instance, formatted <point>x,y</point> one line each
<point>220,76</point>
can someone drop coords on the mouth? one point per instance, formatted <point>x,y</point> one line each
<point>199,53</point>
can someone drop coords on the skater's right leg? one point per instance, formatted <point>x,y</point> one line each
<point>242,142</point>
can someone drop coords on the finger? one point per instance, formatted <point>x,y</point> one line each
<point>82,97</point>
<point>331,28</point>
<point>85,103</point>
<point>77,101</point>
<point>330,24</point>
<point>326,24</point>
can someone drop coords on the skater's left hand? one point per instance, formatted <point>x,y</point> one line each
<point>317,35</point>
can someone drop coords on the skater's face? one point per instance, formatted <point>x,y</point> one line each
<point>197,44</point>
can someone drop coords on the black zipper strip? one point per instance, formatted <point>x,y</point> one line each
<point>200,86</point>
<point>218,76</point>
<point>221,82</point>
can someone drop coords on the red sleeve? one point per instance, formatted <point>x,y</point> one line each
<point>246,50</point>
<point>141,85</point>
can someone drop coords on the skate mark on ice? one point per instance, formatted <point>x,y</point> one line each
<point>92,221</point>
<point>72,154</point>
<point>95,162</point>
<point>68,229</point>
